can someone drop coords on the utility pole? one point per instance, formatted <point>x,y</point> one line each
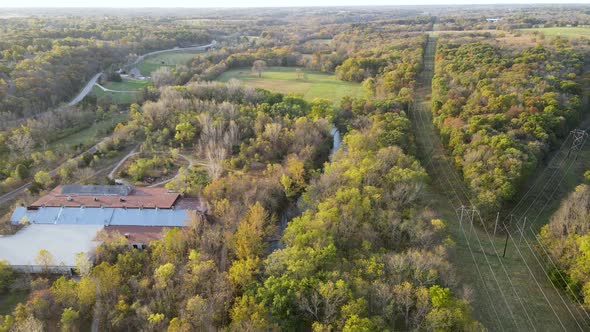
<point>522,231</point>
<point>472,210</point>
<point>506,241</point>
<point>496,224</point>
<point>507,234</point>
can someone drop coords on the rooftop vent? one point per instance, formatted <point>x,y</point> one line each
<point>69,198</point>
<point>96,199</point>
<point>127,235</point>
<point>122,199</point>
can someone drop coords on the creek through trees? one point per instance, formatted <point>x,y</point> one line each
<point>292,210</point>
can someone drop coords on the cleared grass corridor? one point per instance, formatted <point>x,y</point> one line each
<point>511,293</point>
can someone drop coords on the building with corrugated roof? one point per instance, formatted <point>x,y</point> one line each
<point>61,221</point>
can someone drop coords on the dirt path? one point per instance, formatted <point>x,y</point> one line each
<point>85,91</point>
<point>190,164</point>
<point>12,194</point>
<point>511,293</point>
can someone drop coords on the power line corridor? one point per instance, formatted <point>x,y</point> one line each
<point>512,293</point>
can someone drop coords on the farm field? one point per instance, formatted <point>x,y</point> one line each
<point>568,32</point>
<point>168,59</point>
<point>284,79</point>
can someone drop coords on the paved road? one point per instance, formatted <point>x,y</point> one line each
<point>192,48</point>
<point>85,91</point>
<point>88,87</point>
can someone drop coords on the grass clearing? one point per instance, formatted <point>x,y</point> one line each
<point>126,85</point>
<point>567,32</point>
<point>284,80</point>
<point>115,97</point>
<point>90,135</point>
<point>168,59</point>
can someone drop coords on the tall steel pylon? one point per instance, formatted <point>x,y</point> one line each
<point>578,136</point>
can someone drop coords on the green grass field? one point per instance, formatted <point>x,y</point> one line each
<point>91,134</point>
<point>115,97</point>
<point>567,32</point>
<point>126,85</point>
<point>120,97</point>
<point>168,59</point>
<point>284,79</point>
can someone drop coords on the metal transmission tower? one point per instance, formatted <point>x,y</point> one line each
<point>579,137</point>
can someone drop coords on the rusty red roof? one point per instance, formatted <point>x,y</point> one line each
<point>137,197</point>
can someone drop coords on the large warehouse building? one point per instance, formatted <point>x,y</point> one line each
<point>65,222</point>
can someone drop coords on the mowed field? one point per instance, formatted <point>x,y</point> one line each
<point>284,79</point>
<point>115,97</point>
<point>168,59</point>
<point>126,85</point>
<point>568,32</point>
<point>126,97</point>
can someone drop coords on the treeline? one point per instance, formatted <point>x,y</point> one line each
<point>514,17</point>
<point>566,239</point>
<point>41,72</point>
<point>499,112</point>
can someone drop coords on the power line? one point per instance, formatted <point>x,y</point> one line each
<point>422,123</point>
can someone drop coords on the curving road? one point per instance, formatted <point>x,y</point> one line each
<point>175,49</point>
<point>190,164</point>
<point>88,87</point>
<point>134,152</point>
<point>86,90</point>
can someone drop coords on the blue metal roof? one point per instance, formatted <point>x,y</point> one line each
<point>102,216</point>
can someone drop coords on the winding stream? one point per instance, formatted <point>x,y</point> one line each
<point>293,210</point>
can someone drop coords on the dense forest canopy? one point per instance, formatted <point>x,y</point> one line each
<point>500,110</point>
<point>298,231</point>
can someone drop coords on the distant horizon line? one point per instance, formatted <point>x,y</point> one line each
<point>303,6</point>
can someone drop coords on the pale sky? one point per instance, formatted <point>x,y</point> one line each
<point>254,3</point>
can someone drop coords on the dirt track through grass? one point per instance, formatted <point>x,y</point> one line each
<point>509,294</point>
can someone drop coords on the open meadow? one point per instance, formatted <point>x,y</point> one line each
<point>168,59</point>
<point>284,79</point>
